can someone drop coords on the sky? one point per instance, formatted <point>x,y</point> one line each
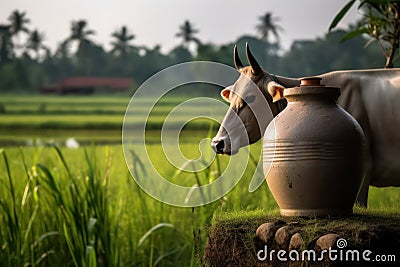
<point>156,22</point>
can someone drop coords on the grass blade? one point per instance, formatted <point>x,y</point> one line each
<point>12,191</point>
<point>153,230</point>
<point>60,155</point>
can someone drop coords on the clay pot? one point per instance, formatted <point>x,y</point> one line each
<point>314,153</point>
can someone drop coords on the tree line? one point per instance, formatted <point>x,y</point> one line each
<point>26,63</point>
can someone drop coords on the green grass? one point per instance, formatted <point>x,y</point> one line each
<point>55,187</point>
<point>60,100</point>
<point>27,121</point>
<point>80,113</point>
<point>369,215</point>
<point>49,189</point>
<point>85,202</point>
<point>39,119</point>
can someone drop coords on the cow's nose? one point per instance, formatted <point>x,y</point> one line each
<point>218,146</point>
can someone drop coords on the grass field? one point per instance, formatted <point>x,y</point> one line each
<point>47,196</point>
<point>40,119</point>
<point>80,207</point>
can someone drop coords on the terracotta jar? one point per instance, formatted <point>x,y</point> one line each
<point>314,153</point>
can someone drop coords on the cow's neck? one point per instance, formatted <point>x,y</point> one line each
<point>288,82</point>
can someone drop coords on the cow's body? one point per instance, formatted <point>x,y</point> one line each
<point>372,97</point>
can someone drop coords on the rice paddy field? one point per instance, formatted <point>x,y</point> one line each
<point>79,206</point>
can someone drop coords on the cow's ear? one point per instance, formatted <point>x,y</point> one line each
<point>276,91</point>
<point>226,93</point>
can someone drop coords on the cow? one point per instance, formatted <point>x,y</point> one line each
<point>372,97</point>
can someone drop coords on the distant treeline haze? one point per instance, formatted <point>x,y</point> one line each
<point>26,63</point>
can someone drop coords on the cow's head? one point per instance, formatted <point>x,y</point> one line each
<point>251,106</point>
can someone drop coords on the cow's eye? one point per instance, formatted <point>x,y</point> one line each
<point>249,99</point>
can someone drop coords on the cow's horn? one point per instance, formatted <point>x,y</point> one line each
<point>236,59</point>
<point>252,61</point>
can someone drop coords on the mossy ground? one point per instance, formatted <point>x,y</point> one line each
<point>232,236</point>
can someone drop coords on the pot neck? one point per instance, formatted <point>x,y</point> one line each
<point>312,94</point>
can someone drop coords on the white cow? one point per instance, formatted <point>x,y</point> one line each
<point>372,97</point>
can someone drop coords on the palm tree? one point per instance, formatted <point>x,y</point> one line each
<point>62,51</point>
<point>6,45</point>
<point>80,34</point>
<point>18,22</point>
<point>35,43</point>
<point>187,32</point>
<point>121,45</point>
<point>267,25</point>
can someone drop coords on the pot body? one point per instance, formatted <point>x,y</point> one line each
<point>314,154</point>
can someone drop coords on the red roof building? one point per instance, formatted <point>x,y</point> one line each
<point>88,85</point>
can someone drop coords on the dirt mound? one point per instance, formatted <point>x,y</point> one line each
<point>257,241</point>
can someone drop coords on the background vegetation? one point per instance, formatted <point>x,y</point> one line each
<point>26,63</point>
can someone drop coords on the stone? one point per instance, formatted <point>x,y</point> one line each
<point>266,231</point>
<point>282,236</point>
<point>296,242</point>
<point>327,241</point>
